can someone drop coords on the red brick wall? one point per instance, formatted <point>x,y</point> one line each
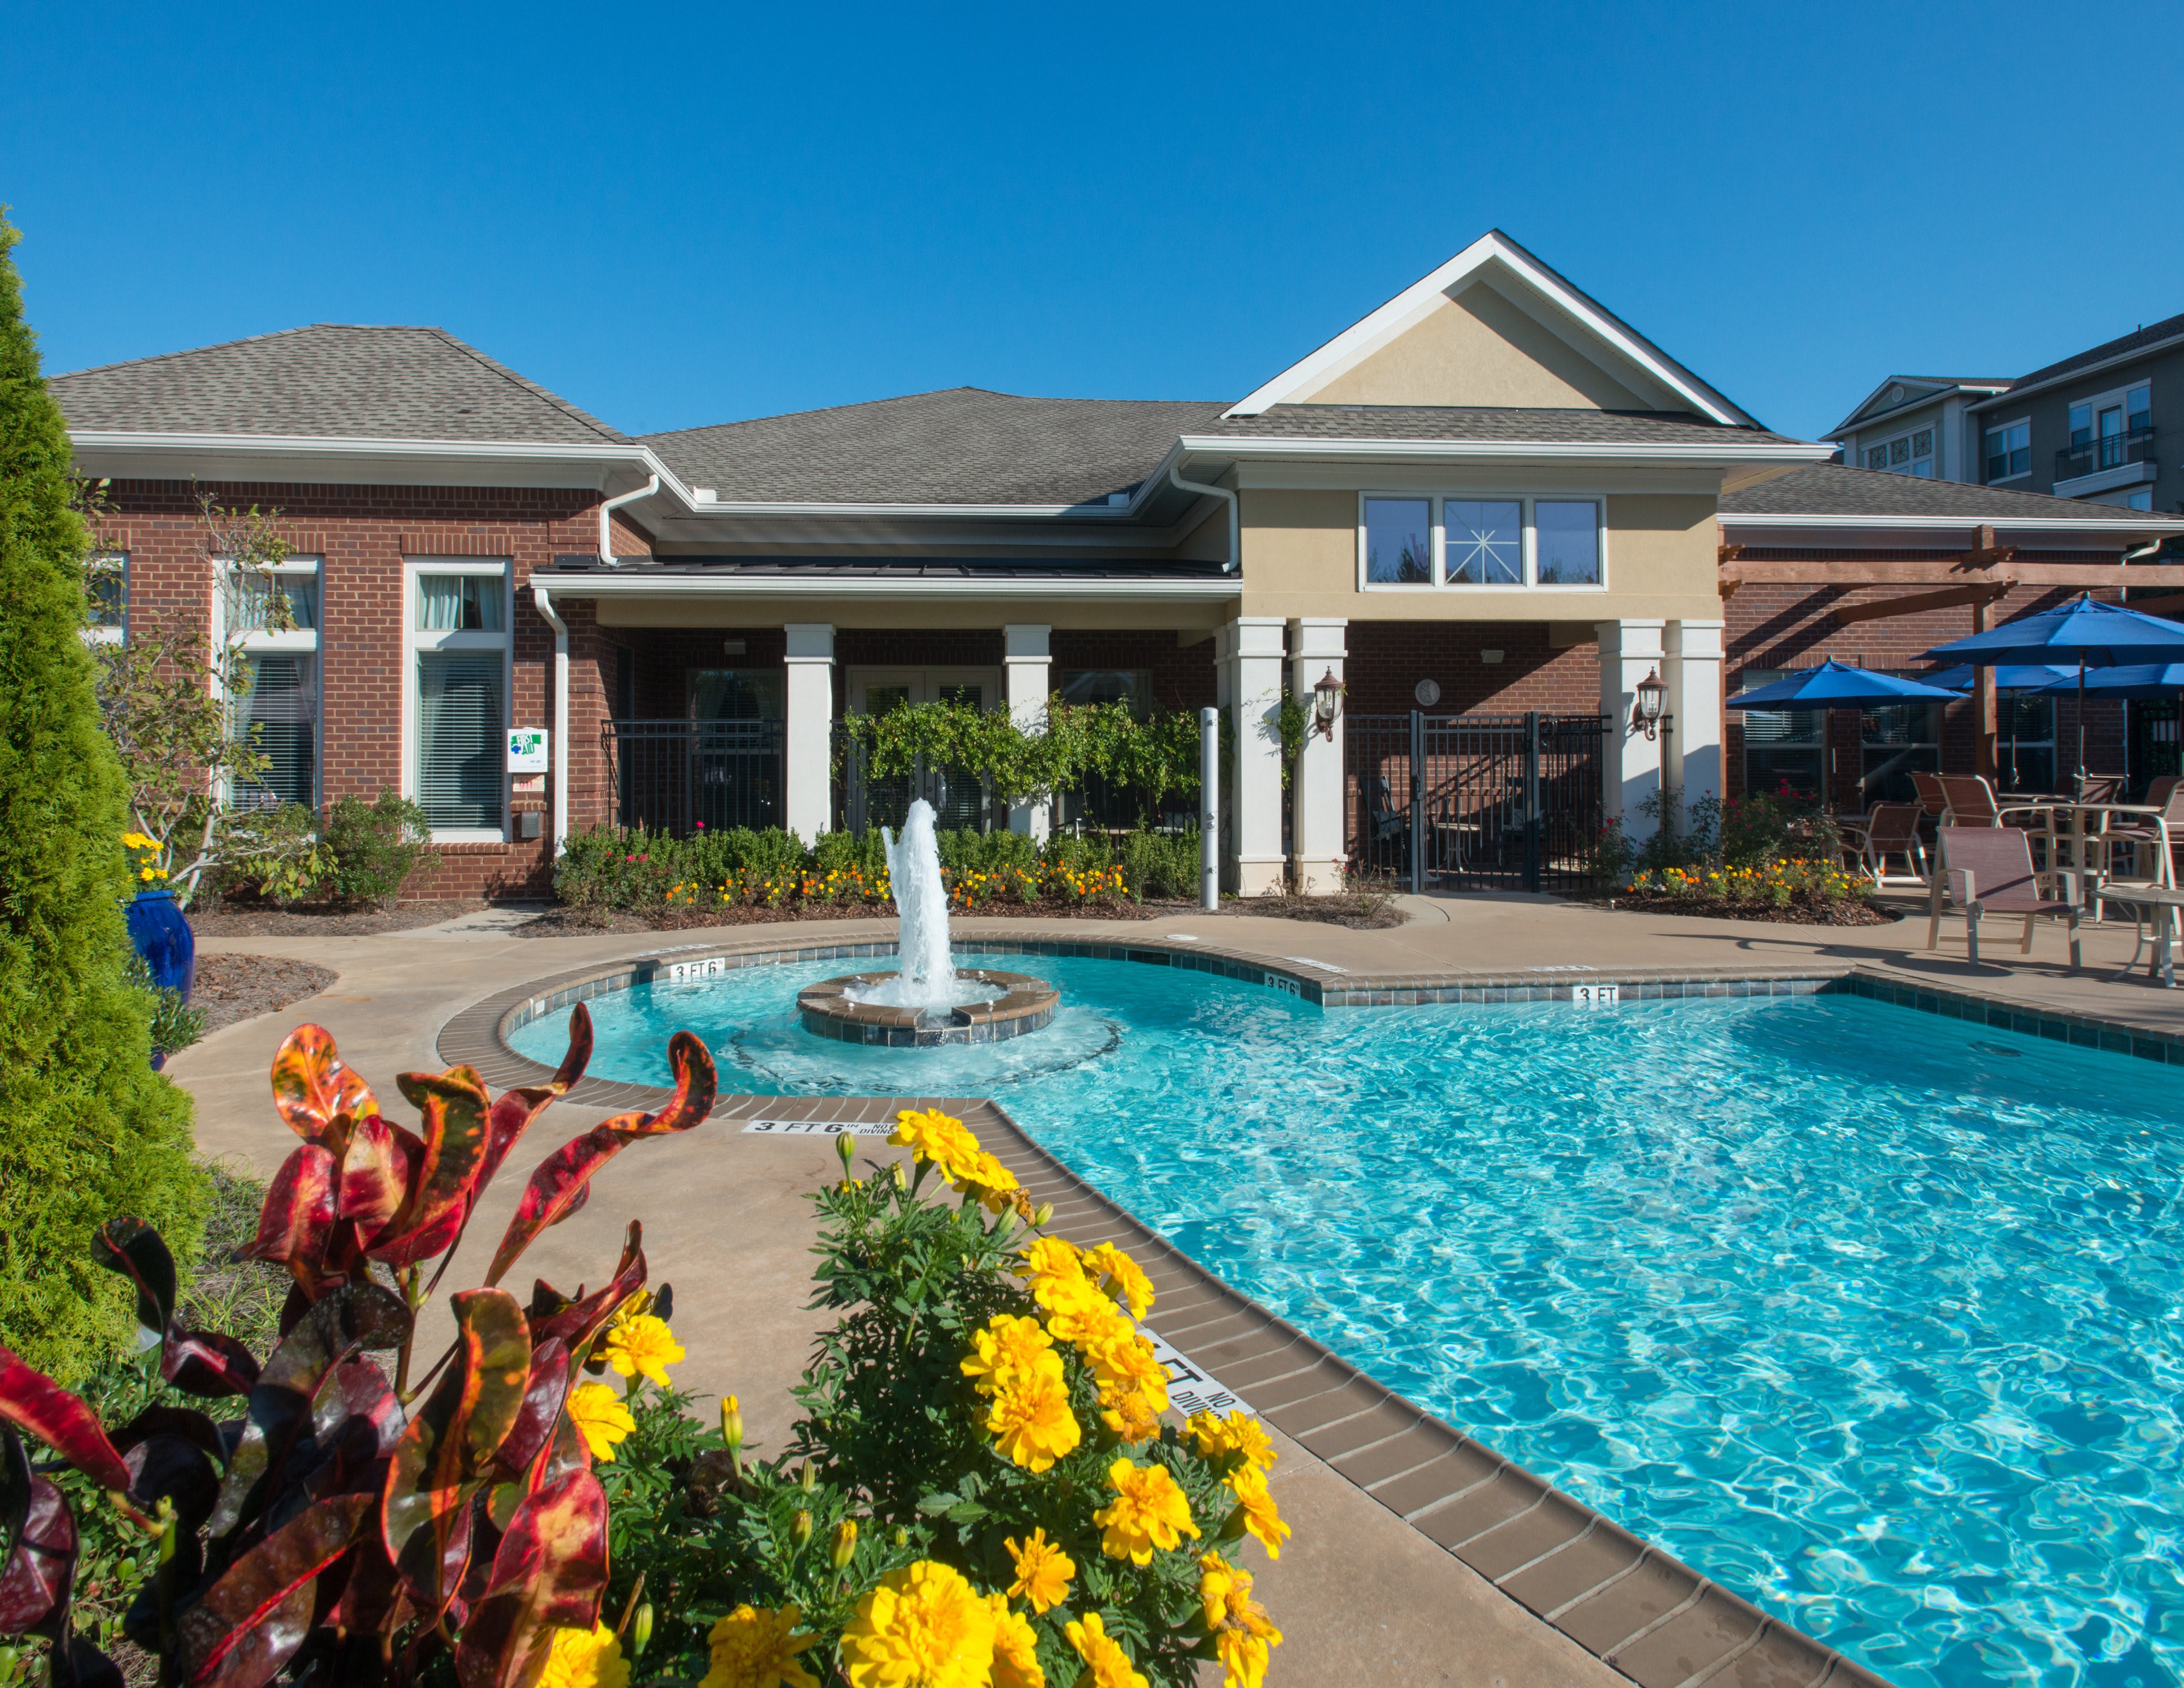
<point>1183,677</point>
<point>362,533</point>
<point>1386,660</point>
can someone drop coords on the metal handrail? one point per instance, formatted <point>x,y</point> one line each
<point>2107,451</point>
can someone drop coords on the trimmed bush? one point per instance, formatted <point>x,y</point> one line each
<point>376,847</point>
<point>87,1129</point>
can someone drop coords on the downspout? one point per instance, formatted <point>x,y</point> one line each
<point>1235,538</point>
<point>544,599</point>
<point>606,509</point>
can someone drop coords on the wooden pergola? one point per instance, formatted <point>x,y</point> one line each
<point>1977,578</point>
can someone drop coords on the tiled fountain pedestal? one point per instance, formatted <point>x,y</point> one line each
<point>1025,1005</point>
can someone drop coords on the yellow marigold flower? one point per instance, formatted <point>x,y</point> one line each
<point>1052,1257</point>
<point>584,1658</point>
<point>920,1627</point>
<point>755,1646</point>
<point>641,1344</point>
<point>1031,1420</point>
<point>932,1135</point>
<point>1238,1433</point>
<point>1015,1648</point>
<point>600,1419</point>
<point>1242,1634</point>
<point>1078,1310</point>
<point>1132,1415</point>
<point>993,1183</point>
<point>1148,1511</point>
<point>1011,1345</point>
<point>1103,1655</point>
<point>1043,1570</point>
<point>1124,1278</point>
<point>1248,1483</point>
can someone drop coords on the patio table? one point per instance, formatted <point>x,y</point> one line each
<point>2087,835</point>
<point>2163,904</point>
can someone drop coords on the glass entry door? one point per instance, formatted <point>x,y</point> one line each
<point>959,800</point>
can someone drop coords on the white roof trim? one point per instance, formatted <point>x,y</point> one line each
<point>1371,332</point>
<point>2127,522</point>
<point>305,445</point>
<point>1730,450</point>
<point>628,584</point>
<point>2021,390</point>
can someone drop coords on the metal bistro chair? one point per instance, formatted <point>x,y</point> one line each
<point>1988,870</point>
<point>1888,829</point>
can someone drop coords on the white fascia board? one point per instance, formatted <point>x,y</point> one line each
<point>365,460</point>
<point>1857,422</point>
<point>584,584</point>
<point>2010,395</point>
<point>309,445</point>
<point>1074,512</point>
<point>1370,332</point>
<point>1285,447</point>
<point>2132,524</point>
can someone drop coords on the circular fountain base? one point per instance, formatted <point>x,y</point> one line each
<point>1025,1005</point>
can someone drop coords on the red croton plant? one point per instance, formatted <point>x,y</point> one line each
<point>348,1525</point>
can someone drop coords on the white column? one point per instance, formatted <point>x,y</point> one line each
<point>1318,830</point>
<point>1025,651</point>
<point>1628,652</point>
<point>808,749</point>
<point>1690,668</point>
<point>1248,665</point>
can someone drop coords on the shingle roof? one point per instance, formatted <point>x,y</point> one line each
<point>1836,489</point>
<point>330,381</point>
<point>960,445</point>
<point>1516,426</point>
<point>2151,335</point>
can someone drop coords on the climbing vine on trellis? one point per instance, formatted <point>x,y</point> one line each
<point>1069,744</point>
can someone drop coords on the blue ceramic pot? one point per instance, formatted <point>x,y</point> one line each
<point>163,937</point>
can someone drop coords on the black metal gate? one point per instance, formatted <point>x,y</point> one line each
<point>1474,802</point>
<point>678,776</point>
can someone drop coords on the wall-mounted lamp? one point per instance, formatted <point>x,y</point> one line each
<point>1653,698</point>
<point>1326,702</point>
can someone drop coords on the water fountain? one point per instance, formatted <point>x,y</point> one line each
<point>928,1001</point>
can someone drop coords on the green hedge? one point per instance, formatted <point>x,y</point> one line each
<point>609,868</point>
<point>87,1130</point>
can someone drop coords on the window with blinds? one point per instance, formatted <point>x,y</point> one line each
<point>462,725</point>
<point>278,717</point>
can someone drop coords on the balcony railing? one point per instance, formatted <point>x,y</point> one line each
<point>2108,451</point>
<point>678,776</point>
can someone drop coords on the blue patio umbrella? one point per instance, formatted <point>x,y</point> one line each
<point>2093,634</point>
<point>2011,676</point>
<point>1837,685</point>
<point>2154,680</point>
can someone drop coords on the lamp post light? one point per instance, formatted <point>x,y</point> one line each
<point>1326,701</point>
<point>1653,698</point>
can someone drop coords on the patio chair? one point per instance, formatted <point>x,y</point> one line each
<point>1933,803</point>
<point>1988,870</point>
<point>1888,829</point>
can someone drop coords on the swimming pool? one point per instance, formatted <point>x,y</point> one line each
<point>1874,1316</point>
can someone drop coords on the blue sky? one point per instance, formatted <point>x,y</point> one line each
<point>675,216</point>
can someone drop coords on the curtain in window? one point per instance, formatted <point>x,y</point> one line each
<point>279,718</point>
<point>459,602</point>
<point>462,723</point>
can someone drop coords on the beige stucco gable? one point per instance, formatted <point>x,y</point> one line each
<point>1477,347</point>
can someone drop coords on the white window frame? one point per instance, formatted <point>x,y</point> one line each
<point>417,642</point>
<point>1527,501</point>
<point>110,562</point>
<point>1912,459</point>
<point>300,641</point>
<point>2024,474</point>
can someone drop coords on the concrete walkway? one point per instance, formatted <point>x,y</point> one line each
<point>1362,1594</point>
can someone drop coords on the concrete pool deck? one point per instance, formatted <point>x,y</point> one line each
<point>1362,1594</point>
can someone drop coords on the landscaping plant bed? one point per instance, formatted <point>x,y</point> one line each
<point>232,987</point>
<point>1363,911</point>
<point>322,920</point>
<point>1845,912</point>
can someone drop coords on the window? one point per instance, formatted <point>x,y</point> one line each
<point>1895,740</point>
<point>2138,409</point>
<point>2009,450</point>
<point>1399,541</point>
<point>277,712</point>
<point>106,591</point>
<point>458,698</point>
<point>1782,747</point>
<point>737,694</point>
<point>1458,542</point>
<point>1485,542</point>
<point>735,769</point>
<point>1569,542</point>
<point>1911,453</point>
<point>1131,686</point>
<point>2025,742</point>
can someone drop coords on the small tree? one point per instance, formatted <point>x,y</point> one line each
<point>86,1128</point>
<point>170,697</point>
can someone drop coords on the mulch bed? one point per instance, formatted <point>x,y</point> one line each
<point>1797,914</point>
<point>1361,912</point>
<point>232,987</point>
<point>311,920</point>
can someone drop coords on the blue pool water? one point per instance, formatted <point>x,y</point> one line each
<point>1872,1316</point>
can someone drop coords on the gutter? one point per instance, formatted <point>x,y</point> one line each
<point>544,599</point>
<point>1235,534</point>
<point>606,526</point>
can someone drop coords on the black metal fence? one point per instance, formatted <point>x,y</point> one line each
<point>1475,802</point>
<point>673,776</point>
